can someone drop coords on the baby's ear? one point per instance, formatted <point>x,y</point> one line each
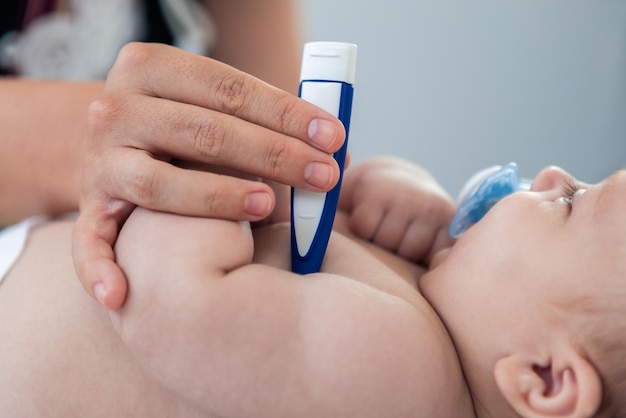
<point>567,387</point>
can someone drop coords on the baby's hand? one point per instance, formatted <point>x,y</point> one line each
<point>398,206</point>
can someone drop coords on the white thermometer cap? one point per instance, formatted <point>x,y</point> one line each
<point>329,61</point>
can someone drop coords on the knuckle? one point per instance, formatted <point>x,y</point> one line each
<point>132,55</point>
<point>277,155</point>
<point>144,186</point>
<point>208,136</point>
<point>234,90</point>
<point>212,199</point>
<point>288,114</point>
<point>100,113</point>
<point>224,199</point>
<point>133,65</point>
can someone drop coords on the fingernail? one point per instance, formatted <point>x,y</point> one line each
<point>318,175</point>
<point>99,293</point>
<point>322,133</point>
<point>258,203</point>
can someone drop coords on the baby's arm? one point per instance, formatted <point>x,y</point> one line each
<point>398,206</point>
<point>241,338</point>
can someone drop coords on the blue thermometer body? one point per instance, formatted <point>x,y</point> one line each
<point>326,80</point>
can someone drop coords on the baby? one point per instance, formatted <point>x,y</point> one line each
<point>533,297</point>
<point>528,305</point>
<point>214,313</point>
<point>522,316</point>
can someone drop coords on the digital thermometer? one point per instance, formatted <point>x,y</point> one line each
<point>326,80</point>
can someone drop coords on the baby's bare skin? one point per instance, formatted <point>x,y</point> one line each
<point>372,346</point>
<point>215,314</point>
<point>59,354</point>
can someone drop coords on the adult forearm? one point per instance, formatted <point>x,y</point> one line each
<point>260,38</point>
<point>42,129</point>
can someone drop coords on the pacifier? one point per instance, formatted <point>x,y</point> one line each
<point>483,190</point>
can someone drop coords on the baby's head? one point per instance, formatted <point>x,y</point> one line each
<point>534,297</point>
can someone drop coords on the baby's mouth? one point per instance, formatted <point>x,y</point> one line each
<point>482,191</point>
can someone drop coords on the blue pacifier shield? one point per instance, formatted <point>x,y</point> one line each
<point>482,191</point>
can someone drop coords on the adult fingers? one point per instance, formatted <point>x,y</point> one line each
<point>193,133</point>
<point>201,81</point>
<point>136,177</point>
<point>97,227</point>
<point>92,251</point>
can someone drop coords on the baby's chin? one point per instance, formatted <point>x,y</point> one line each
<point>439,258</point>
<point>428,280</point>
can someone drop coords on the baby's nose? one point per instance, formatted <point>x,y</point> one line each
<point>549,178</point>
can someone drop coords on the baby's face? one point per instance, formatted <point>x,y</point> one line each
<point>530,250</point>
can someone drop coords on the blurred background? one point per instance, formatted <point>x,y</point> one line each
<point>458,85</point>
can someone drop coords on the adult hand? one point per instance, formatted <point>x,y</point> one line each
<point>160,103</point>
